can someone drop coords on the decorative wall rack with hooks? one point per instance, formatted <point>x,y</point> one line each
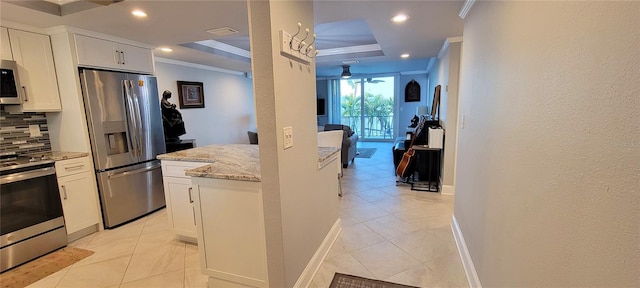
<point>296,48</point>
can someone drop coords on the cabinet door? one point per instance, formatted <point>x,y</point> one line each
<point>34,56</point>
<point>5,53</point>
<point>137,58</point>
<point>94,52</point>
<point>78,201</point>
<point>180,206</point>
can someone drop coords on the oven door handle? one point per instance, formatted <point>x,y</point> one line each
<point>26,175</point>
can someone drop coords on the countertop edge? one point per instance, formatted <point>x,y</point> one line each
<point>60,155</point>
<point>219,170</point>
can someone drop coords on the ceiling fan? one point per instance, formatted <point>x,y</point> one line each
<point>370,80</point>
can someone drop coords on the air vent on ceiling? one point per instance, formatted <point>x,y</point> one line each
<point>350,61</point>
<point>224,31</point>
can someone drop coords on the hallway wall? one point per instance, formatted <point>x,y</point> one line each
<point>446,72</point>
<point>548,170</point>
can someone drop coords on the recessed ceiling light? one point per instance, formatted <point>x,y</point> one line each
<point>166,49</point>
<point>405,55</point>
<point>139,13</point>
<point>400,18</point>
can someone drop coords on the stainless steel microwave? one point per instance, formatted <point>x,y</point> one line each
<point>12,91</point>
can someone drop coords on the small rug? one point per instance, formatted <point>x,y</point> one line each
<point>365,152</point>
<point>350,281</point>
<point>39,268</point>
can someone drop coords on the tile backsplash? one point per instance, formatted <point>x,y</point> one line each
<point>23,133</point>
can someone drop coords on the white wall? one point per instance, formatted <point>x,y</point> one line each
<point>548,171</point>
<point>68,129</point>
<point>299,210</point>
<point>228,111</point>
<point>446,72</point>
<point>408,109</point>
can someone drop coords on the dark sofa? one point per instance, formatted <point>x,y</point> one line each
<point>349,142</point>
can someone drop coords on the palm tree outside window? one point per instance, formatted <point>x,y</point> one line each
<point>366,105</point>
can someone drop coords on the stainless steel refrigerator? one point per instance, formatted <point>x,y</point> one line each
<point>125,128</point>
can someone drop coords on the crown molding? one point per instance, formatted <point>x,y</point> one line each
<point>431,62</point>
<point>465,8</point>
<point>448,41</point>
<point>417,72</point>
<point>454,39</point>
<point>23,27</point>
<point>74,30</point>
<point>199,66</point>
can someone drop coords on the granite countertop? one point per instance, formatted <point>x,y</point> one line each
<point>205,154</point>
<point>231,161</point>
<point>59,155</point>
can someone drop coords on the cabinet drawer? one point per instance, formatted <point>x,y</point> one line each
<point>177,168</point>
<point>73,166</point>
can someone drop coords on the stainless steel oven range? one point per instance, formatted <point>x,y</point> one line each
<point>31,218</point>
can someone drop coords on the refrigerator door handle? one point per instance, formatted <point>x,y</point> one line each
<point>136,171</point>
<point>138,119</point>
<point>132,126</point>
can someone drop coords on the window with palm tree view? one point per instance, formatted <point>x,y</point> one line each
<point>366,105</point>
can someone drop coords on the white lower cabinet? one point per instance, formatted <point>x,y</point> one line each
<point>231,232</point>
<point>178,195</point>
<point>78,192</point>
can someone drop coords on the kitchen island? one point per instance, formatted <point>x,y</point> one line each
<point>222,192</point>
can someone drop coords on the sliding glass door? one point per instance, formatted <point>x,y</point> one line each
<point>367,105</point>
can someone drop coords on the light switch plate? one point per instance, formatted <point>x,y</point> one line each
<point>288,137</point>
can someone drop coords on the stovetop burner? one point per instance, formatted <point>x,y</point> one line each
<point>10,161</point>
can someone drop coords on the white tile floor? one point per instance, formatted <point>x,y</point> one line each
<point>389,233</point>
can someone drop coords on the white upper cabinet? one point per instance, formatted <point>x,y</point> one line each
<point>5,53</point>
<point>100,53</point>
<point>32,52</point>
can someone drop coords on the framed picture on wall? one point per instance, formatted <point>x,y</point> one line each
<point>190,94</point>
<point>412,91</point>
<point>435,106</point>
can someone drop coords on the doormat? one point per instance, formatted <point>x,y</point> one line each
<point>30,272</point>
<point>365,152</point>
<point>350,281</point>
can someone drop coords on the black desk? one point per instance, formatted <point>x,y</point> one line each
<point>180,145</point>
<point>427,164</point>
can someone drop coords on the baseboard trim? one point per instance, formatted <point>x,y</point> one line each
<point>82,232</point>
<point>448,190</point>
<point>314,264</point>
<point>467,262</point>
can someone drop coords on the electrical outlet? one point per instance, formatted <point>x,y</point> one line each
<point>288,137</point>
